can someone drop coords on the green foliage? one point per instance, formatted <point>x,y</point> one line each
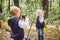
<point>3,16</point>
<point>54,10</point>
<point>30,8</point>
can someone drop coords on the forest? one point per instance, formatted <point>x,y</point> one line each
<point>51,10</point>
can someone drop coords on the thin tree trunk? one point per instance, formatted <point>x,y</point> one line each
<point>0,25</point>
<point>59,3</point>
<point>0,5</point>
<point>9,5</point>
<point>27,1</point>
<point>45,7</point>
<point>16,3</point>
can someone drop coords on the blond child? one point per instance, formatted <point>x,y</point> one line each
<point>40,24</point>
<point>17,24</point>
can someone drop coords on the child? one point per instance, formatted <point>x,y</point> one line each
<point>40,24</point>
<point>17,24</point>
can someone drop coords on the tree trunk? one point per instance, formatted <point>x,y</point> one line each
<point>0,5</point>
<point>59,3</point>
<point>0,25</point>
<point>16,3</point>
<point>45,7</point>
<point>9,5</point>
<point>27,1</point>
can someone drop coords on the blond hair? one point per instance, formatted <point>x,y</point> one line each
<point>14,10</point>
<point>39,10</point>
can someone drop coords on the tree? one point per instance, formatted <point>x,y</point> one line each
<point>16,3</point>
<point>0,5</point>
<point>9,5</point>
<point>45,7</point>
<point>27,1</point>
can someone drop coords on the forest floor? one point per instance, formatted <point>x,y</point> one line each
<point>52,33</point>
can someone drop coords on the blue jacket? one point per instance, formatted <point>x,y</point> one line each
<point>17,31</point>
<point>38,24</point>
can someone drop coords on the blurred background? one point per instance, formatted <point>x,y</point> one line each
<point>51,10</point>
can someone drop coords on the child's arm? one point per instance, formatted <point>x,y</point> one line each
<point>23,24</point>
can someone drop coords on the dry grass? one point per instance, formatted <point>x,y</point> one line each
<point>52,33</point>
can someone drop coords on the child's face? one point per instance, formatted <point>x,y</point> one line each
<point>39,14</point>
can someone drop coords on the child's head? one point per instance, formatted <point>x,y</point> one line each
<point>15,11</point>
<point>39,13</point>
